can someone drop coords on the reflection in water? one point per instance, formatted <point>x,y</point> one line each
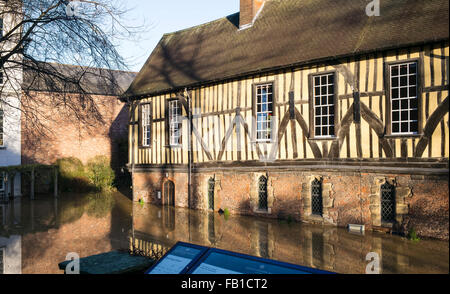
<point>323,247</point>
<point>317,249</point>
<point>36,236</point>
<point>211,228</point>
<point>263,239</point>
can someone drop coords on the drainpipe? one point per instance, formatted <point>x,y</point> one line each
<point>190,147</point>
<point>132,120</point>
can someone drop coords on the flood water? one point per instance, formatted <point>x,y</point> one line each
<point>36,235</point>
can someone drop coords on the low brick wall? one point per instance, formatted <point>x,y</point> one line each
<point>348,198</point>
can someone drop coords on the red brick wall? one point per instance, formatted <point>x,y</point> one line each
<point>350,194</point>
<point>248,10</point>
<point>65,135</point>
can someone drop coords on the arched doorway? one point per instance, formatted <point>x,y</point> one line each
<point>169,193</point>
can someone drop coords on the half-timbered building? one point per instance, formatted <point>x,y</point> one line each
<point>306,109</point>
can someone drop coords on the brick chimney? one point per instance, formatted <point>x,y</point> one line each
<point>248,11</point>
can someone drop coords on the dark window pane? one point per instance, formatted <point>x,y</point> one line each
<point>395,93</point>
<point>271,107</point>
<point>258,90</point>
<point>318,111</point>
<point>395,104</point>
<point>404,115</point>
<point>412,80</point>
<point>414,115</point>
<point>330,99</point>
<point>324,100</point>
<point>324,90</point>
<point>395,82</point>
<point>413,103</point>
<point>325,131</point>
<point>317,121</point>
<point>317,101</point>
<point>331,119</point>
<point>325,120</point>
<point>331,79</point>
<point>412,91</point>
<point>331,108</point>
<point>318,131</point>
<point>403,92</point>
<point>394,70</point>
<point>404,104</point>
<point>413,68</point>
<point>269,89</point>
<point>317,91</point>
<point>395,127</point>
<point>325,110</point>
<point>395,116</point>
<point>405,128</point>
<point>324,80</point>
<point>316,80</point>
<point>414,127</point>
<point>258,108</point>
<point>403,81</point>
<point>403,69</point>
<point>331,90</point>
<point>332,130</point>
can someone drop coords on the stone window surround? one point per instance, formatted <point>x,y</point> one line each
<point>205,188</point>
<point>327,200</point>
<point>254,194</point>
<point>163,196</point>
<point>401,205</point>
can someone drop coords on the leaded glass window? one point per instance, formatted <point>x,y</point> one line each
<point>404,98</point>
<point>316,197</point>
<point>211,184</point>
<point>387,202</point>
<point>262,203</point>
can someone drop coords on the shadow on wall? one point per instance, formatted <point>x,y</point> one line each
<point>118,138</point>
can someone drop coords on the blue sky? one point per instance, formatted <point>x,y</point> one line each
<point>167,16</point>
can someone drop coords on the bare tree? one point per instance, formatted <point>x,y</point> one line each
<point>40,35</point>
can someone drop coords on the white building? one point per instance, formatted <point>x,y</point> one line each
<point>10,114</point>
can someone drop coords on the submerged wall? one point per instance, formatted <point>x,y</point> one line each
<point>348,197</point>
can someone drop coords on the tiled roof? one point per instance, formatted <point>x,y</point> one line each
<point>287,32</point>
<point>53,77</point>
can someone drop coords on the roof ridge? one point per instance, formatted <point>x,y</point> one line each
<point>88,67</point>
<point>200,25</point>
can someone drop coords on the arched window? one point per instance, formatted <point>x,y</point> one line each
<point>387,202</point>
<point>211,184</point>
<point>316,197</point>
<point>169,193</point>
<point>262,193</point>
